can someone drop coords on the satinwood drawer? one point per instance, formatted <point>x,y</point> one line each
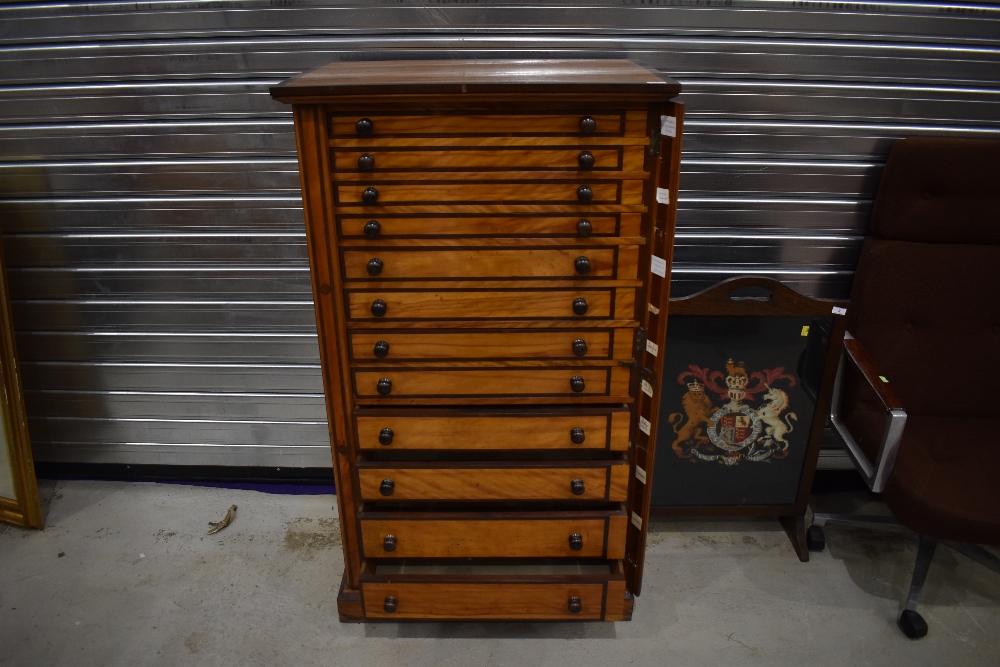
<point>492,601</point>
<point>564,192</point>
<point>591,429</point>
<point>382,226</point>
<point>565,382</point>
<point>599,158</point>
<point>572,535</point>
<point>631,123</point>
<point>407,345</point>
<point>605,480</point>
<point>538,304</point>
<point>619,263</point>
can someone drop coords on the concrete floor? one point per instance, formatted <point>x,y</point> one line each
<point>124,574</point>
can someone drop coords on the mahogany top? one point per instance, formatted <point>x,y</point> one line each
<point>455,77</point>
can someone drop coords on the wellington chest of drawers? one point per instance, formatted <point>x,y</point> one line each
<point>490,247</point>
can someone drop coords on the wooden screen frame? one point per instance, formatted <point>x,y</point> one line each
<point>784,301</point>
<point>25,509</point>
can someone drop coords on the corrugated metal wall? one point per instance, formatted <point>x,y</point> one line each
<point>149,188</point>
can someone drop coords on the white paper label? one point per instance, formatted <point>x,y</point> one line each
<point>653,309</point>
<point>652,348</point>
<point>668,126</point>
<point>644,425</point>
<point>839,311</point>
<point>640,474</point>
<point>636,521</point>
<point>658,265</point>
<point>647,389</point>
<point>662,196</point>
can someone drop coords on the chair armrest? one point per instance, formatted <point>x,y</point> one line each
<point>876,473</point>
<point>858,356</point>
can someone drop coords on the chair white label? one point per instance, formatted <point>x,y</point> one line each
<point>644,425</point>
<point>640,474</point>
<point>668,126</point>
<point>658,266</point>
<point>647,389</point>
<point>636,520</point>
<point>839,311</point>
<point>662,196</point>
<point>652,348</point>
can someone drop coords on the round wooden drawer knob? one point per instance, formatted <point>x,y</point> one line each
<point>574,605</point>
<point>385,436</point>
<point>379,307</point>
<point>370,195</point>
<point>577,435</point>
<point>374,266</point>
<point>584,228</point>
<point>389,543</point>
<point>576,486</point>
<point>581,264</point>
<point>388,486</point>
<point>576,383</point>
<point>587,125</point>
<point>366,162</point>
<point>384,386</point>
<point>586,159</point>
<point>364,127</point>
<point>583,193</point>
<point>579,347</point>
<point>575,542</point>
<point>391,602</point>
<point>381,349</point>
<point>372,229</point>
<point>580,306</point>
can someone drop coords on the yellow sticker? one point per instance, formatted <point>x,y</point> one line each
<point>805,330</point>
<point>882,378</point>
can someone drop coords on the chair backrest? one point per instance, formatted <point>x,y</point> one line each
<point>926,295</point>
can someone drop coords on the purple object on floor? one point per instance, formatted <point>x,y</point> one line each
<point>287,489</point>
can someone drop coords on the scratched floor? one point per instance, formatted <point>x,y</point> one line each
<point>124,574</point>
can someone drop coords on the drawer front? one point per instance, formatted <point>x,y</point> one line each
<point>631,123</point>
<point>601,158</point>
<point>610,303</point>
<point>469,430</point>
<point>607,482</point>
<point>403,345</point>
<point>570,226</point>
<point>492,263</point>
<point>484,601</point>
<point>627,193</point>
<point>494,538</point>
<point>489,382</point>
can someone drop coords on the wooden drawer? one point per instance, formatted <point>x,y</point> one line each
<point>620,262</point>
<point>606,480</point>
<point>597,535</point>
<point>427,429</point>
<point>500,192</point>
<point>458,383</point>
<point>489,601</point>
<point>395,226</point>
<point>379,160</point>
<point>408,345</point>
<point>609,303</point>
<point>631,123</point>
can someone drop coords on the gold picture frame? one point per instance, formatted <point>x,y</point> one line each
<point>19,503</point>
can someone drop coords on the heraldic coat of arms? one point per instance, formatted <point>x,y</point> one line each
<point>733,417</point>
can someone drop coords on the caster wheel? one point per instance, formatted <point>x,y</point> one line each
<point>815,539</point>
<point>912,624</point>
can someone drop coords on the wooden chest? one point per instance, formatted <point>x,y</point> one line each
<point>490,245</point>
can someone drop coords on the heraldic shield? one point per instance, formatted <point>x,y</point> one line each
<point>738,408</point>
